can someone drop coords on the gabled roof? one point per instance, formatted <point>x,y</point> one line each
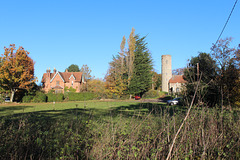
<point>177,79</point>
<point>58,73</point>
<point>64,75</point>
<point>72,76</point>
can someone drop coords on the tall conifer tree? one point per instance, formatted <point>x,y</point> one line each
<point>142,76</point>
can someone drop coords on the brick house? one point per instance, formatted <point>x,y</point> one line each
<point>59,80</point>
<point>176,83</point>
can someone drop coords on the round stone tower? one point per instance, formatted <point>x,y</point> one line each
<point>166,71</point>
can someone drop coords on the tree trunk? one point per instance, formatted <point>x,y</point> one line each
<point>12,94</point>
<point>222,97</point>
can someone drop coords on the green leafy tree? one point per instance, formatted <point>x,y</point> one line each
<point>73,68</point>
<point>208,92</point>
<point>142,76</point>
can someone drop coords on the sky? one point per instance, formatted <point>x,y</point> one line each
<point>58,33</point>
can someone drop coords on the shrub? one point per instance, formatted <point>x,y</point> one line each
<point>27,98</point>
<point>151,94</point>
<point>51,97</point>
<point>71,89</point>
<point>39,97</point>
<point>162,94</point>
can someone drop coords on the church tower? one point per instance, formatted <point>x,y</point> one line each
<point>166,71</point>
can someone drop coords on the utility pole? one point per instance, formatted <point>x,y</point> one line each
<point>197,71</point>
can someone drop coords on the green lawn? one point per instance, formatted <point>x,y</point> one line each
<point>61,107</point>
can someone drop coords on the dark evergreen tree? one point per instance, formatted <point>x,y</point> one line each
<point>142,76</point>
<point>73,68</point>
<point>208,91</point>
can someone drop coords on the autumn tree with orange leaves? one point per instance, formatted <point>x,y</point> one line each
<point>16,70</point>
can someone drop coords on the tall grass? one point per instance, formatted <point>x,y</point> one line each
<point>138,131</point>
<point>32,137</point>
<point>149,136</point>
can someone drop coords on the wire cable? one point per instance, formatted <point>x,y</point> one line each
<point>226,22</point>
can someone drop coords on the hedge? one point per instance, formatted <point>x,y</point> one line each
<point>27,98</point>
<point>51,97</point>
<point>84,96</point>
<point>39,97</point>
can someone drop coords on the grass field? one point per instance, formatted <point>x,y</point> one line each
<point>116,130</point>
<point>60,107</point>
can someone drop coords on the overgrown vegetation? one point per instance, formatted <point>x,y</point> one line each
<point>30,136</point>
<point>218,73</point>
<point>120,130</point>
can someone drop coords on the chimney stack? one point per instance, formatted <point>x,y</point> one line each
<point>48,72</point>
<point>54,70</point>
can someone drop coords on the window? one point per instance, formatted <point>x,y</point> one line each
<point>57,83</point>
<point>72,83</point>
<point>177,90</point>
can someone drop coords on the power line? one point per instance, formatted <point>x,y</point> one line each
<point>226,22</point>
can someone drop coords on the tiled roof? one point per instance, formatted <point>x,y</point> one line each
<point>64,75</point>
<point>177,79</point>
<point>67,75</point>
<point>45,76</point>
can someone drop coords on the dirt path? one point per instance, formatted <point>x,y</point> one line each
<point>153,100</point>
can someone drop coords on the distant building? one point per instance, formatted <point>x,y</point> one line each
<point>176,83</point>
<point>57,81</point>
<point>166,71</point>
<point>170,83</point>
